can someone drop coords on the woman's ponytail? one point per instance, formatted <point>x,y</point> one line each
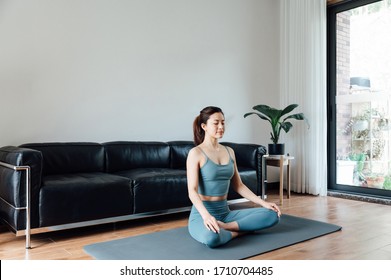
<point>199,133</point>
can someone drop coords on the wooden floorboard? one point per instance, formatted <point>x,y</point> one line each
<point>365,234</point>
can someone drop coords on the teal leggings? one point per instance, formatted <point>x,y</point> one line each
<point>250,219</point>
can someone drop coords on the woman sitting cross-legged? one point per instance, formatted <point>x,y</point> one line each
<point>211,167</point>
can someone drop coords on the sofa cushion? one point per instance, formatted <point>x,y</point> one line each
<point>72,157</point>
<point>158,188</point>
<point>124,155</point>
<point>70,198</point>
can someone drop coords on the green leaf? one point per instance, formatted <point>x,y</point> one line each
<point>288,109</point>
<point>270,112</point>
<point>286,126</point>
<point>259,115</point>
<point>299,116</point>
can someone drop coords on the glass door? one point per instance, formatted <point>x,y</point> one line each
<point>360,97</point>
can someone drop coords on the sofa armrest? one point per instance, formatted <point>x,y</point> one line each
<point>13,161</point>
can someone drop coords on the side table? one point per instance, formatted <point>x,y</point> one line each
<point>278,161</point>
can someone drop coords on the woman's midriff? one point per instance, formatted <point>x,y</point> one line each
<point>212,198</point>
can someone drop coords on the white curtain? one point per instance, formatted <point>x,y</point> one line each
<point>303,81</point>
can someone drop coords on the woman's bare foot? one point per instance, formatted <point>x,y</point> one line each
<point>237,233</point>
<point>232,226</point>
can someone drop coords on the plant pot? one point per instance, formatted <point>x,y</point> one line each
<point>375,182</point>
<point>276,149</point>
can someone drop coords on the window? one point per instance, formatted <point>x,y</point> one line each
<point>359,97</point>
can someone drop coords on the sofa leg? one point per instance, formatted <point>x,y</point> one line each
<point>28,212</point>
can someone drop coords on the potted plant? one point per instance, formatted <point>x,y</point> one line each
<point>278,122</point>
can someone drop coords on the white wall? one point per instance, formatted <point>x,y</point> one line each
<point>103,70</point>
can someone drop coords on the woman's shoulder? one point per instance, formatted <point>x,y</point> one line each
<point>227,147</point>
<point>195,151</point>
<point>230,151</point>
<point>195,156</point>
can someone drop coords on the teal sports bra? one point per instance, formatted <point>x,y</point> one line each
<point>214,179</point>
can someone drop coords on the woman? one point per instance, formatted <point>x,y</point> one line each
<point>211,167</point>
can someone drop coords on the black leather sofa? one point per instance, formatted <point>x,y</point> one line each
<point>76,184</point>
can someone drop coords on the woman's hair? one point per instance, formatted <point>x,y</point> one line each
<point>203,117</point>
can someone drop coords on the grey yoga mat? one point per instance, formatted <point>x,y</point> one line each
<point>177,244</point>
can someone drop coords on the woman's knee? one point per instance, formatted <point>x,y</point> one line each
<point>212,240</point>
<point>274,218</point>
<point>259,219</point>
<point>269,218</point>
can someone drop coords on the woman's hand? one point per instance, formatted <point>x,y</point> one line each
<point>210,223</point>
<point>272,206</point>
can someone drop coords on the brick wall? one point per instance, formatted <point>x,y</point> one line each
<point>344,111</point>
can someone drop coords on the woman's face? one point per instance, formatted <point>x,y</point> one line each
<point>215,126</point>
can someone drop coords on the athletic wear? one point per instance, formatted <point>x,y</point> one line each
<point>215,178</point>
<point>251,219</point>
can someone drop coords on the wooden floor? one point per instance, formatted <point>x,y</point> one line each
<point>365,235</point>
